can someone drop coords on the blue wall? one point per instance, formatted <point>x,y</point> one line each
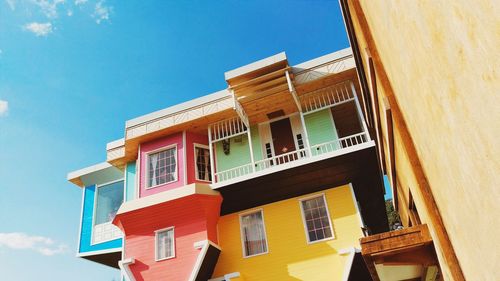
<point>86,234</point>
<point>130,175</point>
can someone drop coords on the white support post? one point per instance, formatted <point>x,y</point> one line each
<point>360,114</point>
<point>240,111</point>
<point>291,88</point>
<point>306,135</point>
<point>210,146</point>
<point>249,135</point>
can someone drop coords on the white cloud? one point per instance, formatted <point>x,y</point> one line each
<point>4,107</point>
<point>49,8</point>
<point>12,4</point>
<point>101,11</point>
<point>39,29</point>
<point>69,13</point>
<point>40,244</point>
<point>80,2</point>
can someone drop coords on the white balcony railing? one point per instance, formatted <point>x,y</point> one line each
<point>321,99</point>
<point>327,97</point>
<point>232,173</point>
<point>337,144</point>
<point>278,161</point>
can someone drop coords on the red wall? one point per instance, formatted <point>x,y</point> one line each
<point>191,140</point>
<point>185,158</point>
<point>194,219</point>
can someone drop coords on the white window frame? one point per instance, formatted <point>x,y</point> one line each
<point>198,145</point>
<point>176,165</point>
<point>242,238</point>
<point>94,211</point>
<point>304,222</point>
<point>173,243</point>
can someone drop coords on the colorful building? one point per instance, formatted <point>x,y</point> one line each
<point>429,77</point>
<point>274,178</point>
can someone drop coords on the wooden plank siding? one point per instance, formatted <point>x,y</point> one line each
<point>290,256</point>
<point>194,219</point>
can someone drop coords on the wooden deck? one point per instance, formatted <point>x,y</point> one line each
<point>405,247</point>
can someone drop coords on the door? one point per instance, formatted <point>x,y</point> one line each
<point>283,141</point>
<point>346,119</point>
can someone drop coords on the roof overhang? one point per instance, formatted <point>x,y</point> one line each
<point>94,174</point>
<point>166,196</point>
<point>110,259</point>
<point>259,88</point>
<point>406,254</point>
<point>256,69</point>
<point>194,115</point>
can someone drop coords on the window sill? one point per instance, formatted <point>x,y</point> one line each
<point>164,259</point>
<point>256,255</point>
<point>162,184</point>
<point>205,181</point>
<point>319,241</point>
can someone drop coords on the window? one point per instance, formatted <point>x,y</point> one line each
<point>300,142</point>
<point>269,152</point>
<point>162,167</point>
<point>316,219</point>
<point>165,248</point>
<point>202,164</point>
<point>109,197</point>
<point>253,234</point>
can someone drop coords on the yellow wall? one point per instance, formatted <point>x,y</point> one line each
<point>290,257</point>
<point>441,60</point>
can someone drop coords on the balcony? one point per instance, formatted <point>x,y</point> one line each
<point>330,124</point>
<point>405,254</point>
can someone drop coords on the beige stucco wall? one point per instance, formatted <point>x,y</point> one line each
<point>442,59</point>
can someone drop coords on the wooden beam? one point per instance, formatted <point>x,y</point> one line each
<point>376,110</point>
<point>264,93</point>
<point>259,79</point>
<point>260,86</point>
<point>390,143</point>
<point>424,256</point>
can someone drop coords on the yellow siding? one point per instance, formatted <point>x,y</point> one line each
<point>290,257</point>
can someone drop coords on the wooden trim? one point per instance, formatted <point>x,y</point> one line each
<point>435,219</point>
<point>351,34</point>
<point>401,247</point>
<point>391,241</point>
<point>376,117</point>
<point>258,79</point>
<point>390,144</point>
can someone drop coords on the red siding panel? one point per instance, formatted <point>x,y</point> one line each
<point>194,219</point>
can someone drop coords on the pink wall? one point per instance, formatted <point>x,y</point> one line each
<point>158,144</point>
<point>191,139</point>
<point>194,219</point>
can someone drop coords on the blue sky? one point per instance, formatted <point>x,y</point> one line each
<point>72,72</point>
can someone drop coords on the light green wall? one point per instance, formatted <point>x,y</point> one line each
<point>256,144</point>
<point>239,151</point>
<point>320,127</point>
<point>130,181</point>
